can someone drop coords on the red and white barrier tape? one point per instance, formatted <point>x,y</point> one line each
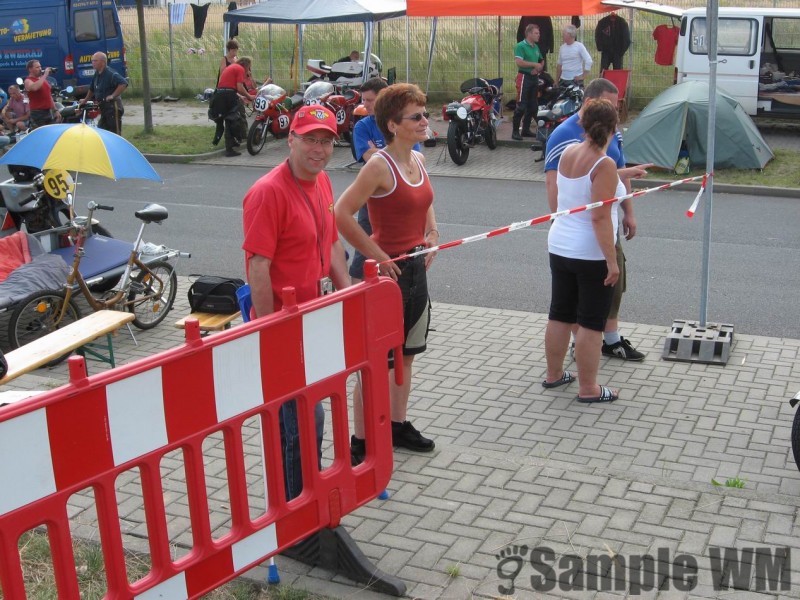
<point>562,213</point>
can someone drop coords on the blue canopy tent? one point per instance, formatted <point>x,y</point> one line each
<point>307,12</point>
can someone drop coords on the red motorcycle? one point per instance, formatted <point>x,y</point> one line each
<point>274,112</point>
<point>340,100</point>
<point>473,120</point>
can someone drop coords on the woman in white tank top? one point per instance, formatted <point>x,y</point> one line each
<point>583,261</point>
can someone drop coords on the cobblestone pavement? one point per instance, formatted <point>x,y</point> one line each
<point>518,468</point>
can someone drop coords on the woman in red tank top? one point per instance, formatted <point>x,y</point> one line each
<point>399,195</point>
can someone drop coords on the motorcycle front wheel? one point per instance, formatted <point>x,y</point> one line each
<point>161,289</point>
<point>257,136</point>
<point>491,135</point>
<point>456,143</point>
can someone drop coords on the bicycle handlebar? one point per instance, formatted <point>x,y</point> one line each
<point>103,207</point>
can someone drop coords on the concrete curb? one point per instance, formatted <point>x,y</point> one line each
<point>182,158</point>
<point>724,188</point>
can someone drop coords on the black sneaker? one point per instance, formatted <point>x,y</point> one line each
<point>622,349</point>
<point>516,136</point>
<point>358,450</point>
<point>232,153</point>
<point>405,435</point>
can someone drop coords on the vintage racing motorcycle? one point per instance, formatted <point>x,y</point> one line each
<point>472,120</point>
<point>274,113</point>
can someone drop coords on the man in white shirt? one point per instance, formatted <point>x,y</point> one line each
<point>574,61</point>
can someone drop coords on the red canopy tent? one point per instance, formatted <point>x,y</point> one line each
<point>470,8</point>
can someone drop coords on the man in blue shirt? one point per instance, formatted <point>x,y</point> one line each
<point>571,132</point>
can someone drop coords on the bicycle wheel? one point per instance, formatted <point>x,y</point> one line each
<point>161,283</point>
<point>36,316</point>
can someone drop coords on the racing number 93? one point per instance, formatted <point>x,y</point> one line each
<point>58,183</point>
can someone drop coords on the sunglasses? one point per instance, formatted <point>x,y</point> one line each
<point>312,141</point>
<point>417,117</point>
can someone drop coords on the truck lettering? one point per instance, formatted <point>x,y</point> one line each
<point>114,54</point>
<point>24,37</point>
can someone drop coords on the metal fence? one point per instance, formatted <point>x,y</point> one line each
<point>465,47</point>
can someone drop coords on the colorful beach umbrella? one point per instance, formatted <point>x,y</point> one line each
<point>83,149</point>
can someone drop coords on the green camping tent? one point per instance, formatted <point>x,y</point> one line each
<point>681,113</point>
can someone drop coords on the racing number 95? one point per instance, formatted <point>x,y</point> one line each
<point>58,183</point>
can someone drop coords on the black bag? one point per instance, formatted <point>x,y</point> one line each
<point>212,294</point>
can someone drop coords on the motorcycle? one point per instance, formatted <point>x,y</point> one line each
<point>341,101</point>
<point>472,120</point>
<point>73,112</point>
<point>274,113</point>
<point>349,73</point>
<point>566,103</point>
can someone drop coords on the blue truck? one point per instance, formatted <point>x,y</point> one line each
<point>62,34</point>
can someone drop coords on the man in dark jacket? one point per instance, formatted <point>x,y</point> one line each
<point>107,87</point>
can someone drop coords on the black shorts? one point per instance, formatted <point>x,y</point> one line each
<point>413,284</point>
<point>578,293</point>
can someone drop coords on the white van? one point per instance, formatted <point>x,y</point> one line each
<point>758,53</point>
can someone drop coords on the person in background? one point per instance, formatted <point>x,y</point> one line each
<point>224,106</point>
<point>574,61</point>
<point>230,57</point>
<point>583,262</point>
<point>570,132</point>
<point>529,63</point>
<point>40,100</point>
<point>352,57</point>
<point>107,86</point>
<point>399,194</point>
<point>290,239</point>
<point>16,112</point>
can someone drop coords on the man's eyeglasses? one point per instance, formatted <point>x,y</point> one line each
<point>418,116</point>
<point>312,141</point>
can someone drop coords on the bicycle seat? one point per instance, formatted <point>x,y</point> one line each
<point>152,213</point>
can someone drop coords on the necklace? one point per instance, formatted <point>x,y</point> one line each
<point>319,225</point>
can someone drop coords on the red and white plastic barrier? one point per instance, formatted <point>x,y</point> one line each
<point>555,215</point>
<point>85,434</point>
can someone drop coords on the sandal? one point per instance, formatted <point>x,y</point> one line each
<point>606,395</point>
<point>566,378</point>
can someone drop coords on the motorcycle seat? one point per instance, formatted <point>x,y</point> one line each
<point>152,213</point>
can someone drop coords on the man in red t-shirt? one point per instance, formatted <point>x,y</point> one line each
<point>40,100</point>
<point>290,239</point>
<point>224,106</point>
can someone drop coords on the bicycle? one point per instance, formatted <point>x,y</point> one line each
<point>145,289</point>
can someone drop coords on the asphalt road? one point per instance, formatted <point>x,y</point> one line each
<point>755,251</point>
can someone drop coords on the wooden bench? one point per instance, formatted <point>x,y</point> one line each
<point>209,321</point>
<point>74,336</point>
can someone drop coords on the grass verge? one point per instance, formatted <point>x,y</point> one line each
<point>781,171</point>
<point>37,566</point>
<point>171,139</point>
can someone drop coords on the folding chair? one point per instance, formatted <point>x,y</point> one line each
<point>622,79</point>
<point>498,103</point>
